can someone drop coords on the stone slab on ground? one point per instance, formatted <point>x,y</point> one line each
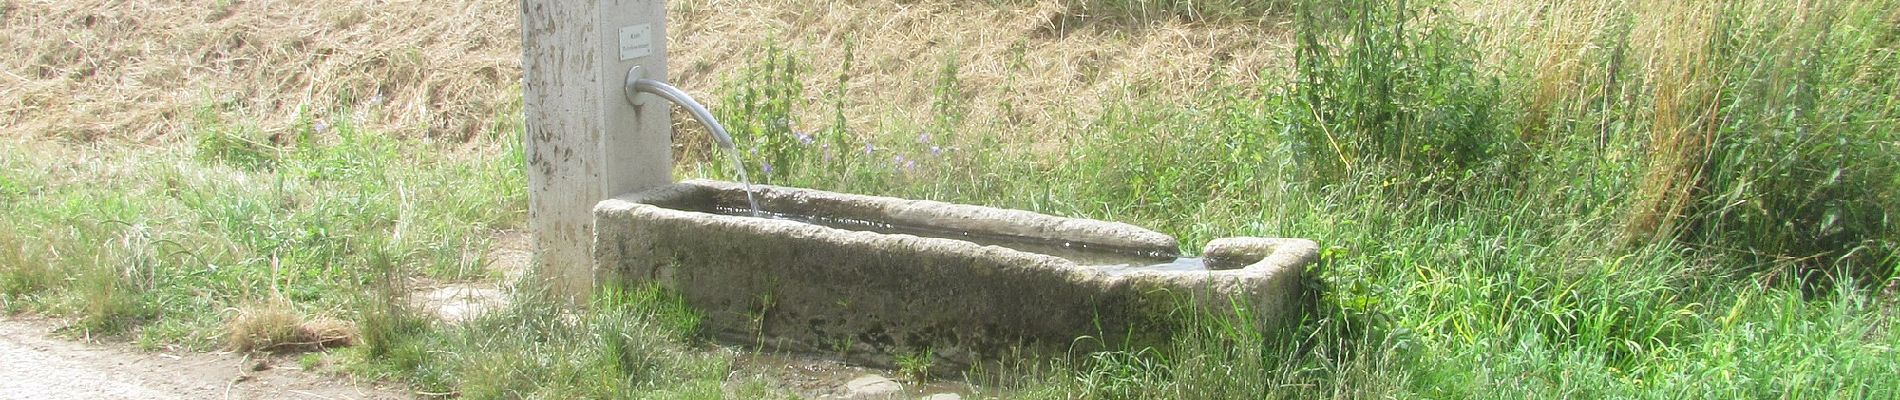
<point>873,387</point>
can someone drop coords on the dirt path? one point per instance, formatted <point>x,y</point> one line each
<point>36,366</point>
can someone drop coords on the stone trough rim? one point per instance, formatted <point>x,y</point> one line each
<point>1228,258</point>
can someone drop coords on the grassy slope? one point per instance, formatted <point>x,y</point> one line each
<point>1577,255</point>
<point>1655,205</point>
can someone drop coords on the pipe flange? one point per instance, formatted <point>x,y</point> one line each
<point>634,74</point>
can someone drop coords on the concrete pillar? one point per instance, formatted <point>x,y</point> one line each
<point>585,142</point>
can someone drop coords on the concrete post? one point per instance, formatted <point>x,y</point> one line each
<point>585,142</point>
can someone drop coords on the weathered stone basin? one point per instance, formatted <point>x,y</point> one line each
<point>874,296</point>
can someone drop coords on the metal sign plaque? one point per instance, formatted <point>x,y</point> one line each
<point>636,41</point>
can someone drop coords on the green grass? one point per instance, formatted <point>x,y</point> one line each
<point>163,245</point>
<point>152,242</point>
<point>629,343</point>
<point>1686,211</point>
<point>1479,244</point>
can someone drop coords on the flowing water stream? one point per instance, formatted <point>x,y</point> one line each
<point>739,165</point>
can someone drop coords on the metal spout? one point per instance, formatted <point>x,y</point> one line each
<point>637,85</point>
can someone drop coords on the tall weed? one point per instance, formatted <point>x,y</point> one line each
<point>1390,88</point>
<point>1801,169</point>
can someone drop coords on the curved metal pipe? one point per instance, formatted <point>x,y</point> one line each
<point>635,85</point>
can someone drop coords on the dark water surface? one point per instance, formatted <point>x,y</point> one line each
<point>1113,259</point>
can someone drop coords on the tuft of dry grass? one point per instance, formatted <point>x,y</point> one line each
<point>275,325</point>
<point>1584,52</point>
<point>1713,105</point>
<point>1683,126</point>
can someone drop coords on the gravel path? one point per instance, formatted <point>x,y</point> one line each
<point>35,366</point>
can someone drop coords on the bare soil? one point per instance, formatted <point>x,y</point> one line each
<point>34,364</point>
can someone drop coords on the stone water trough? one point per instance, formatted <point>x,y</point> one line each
<point>876,278</point>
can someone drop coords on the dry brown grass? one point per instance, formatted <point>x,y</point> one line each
<point>1030,70</point>
<point>276,325</point>
<point>141,71</point>
<point>1682,121</point>
<point>92,69</point>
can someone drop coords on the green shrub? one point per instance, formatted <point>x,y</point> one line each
<point>1380,87</point>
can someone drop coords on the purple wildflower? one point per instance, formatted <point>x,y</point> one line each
<point>936,151</point>
<point>804,138</point>
<point>766,166</point>
<point>868,148</point>
<point>923,138</point>
<point>897,160</point>
<point>322,126</point>
<point>910,165</point>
